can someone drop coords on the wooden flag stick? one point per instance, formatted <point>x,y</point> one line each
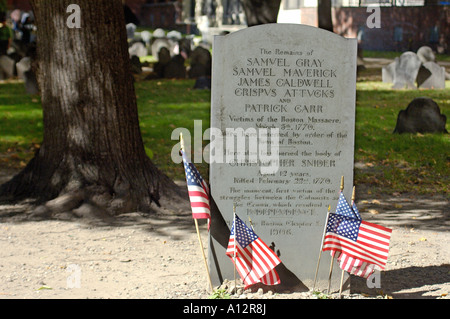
<point>321,246</point>
<point>332,259</point>
<point>343,271</point>
<point>235,250</point>
<point>329,275</point>
<point>203,253</point>
<point>198,230</point>
<point>342,282</point>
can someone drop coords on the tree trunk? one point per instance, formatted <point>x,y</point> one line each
<point>92,151</point>
<point>261,11</point>
<point>324,15</point>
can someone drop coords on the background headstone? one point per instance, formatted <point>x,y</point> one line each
<point>131,29</point>
<point>406,69</point>
<point>431,76</point>
<point>421,116</point>
<point>388,73</point>
<point>158,44</point>
<point>426,54</point>
<point>7,66</point>
<point>284,77</point>
<point>138,49</point>
<point>201,63</point>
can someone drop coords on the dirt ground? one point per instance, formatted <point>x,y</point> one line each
<point>158,256</point>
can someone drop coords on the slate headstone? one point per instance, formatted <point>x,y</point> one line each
<point>31,84</point>
<point>406,69</point>
<point>200,63</point>
<point>136,65</point>
<point>281,87</point>
<point>175,69</point>
<point>421,116</point>
<point>431,76</point>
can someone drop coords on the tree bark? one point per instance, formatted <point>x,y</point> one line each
<point>261,11</point>
<point>324,15</point>
<point>92,150</point>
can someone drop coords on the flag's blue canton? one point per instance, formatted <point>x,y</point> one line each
<point>244,235</point>
<point>355,210</point>
<point>344,226</point>
<point>343,208</point>
<point>193,177</point>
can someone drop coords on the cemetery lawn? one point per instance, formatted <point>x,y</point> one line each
<point>384,162</point>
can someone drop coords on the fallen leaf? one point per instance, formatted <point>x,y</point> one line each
<point>374,211</point>
<point>375,201</point>
<point>398,205</point>
<point>423,239</point>
<point>45,288</point>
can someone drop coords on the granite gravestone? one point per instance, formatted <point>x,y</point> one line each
<point>406,69</point>
<point>292,86</point>
<point>387,73</point>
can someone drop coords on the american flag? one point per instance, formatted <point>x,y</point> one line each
<point>253,259</point>
<point>350,238</point>
<point>354,266</point>
<point>343,208</point>
<point>198,190</point>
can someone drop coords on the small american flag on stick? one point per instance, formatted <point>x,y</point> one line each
<point>198,190</point>
<point>357,239</point>
<point>253,259</point>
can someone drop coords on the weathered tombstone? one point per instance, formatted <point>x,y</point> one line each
<point>406,69</point>
<point>23,66</point>
<point>158,44</point>
<point>7,66</point>
<point>388,72</point>
<point>431,76</point>
<point>159,33</point>
<point>421,116</point>
<point>146,36</point>
<point>131,29</point>
<point>136,65</point>
<point>281,82</point>
<point>163,60</point>
<point>201,63</point>
<point>31,84</point>
<point>175,69</point>
<point>138,49</point>
<point>203,83</point>
<point>426,54</point>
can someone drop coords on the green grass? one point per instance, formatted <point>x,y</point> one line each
<point>391,163</point>
<point>399,162</point>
